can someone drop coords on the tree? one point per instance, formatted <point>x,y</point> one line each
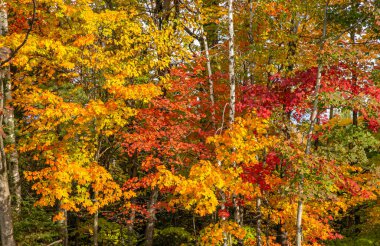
<point>83,102</point>
<point>6,222</point>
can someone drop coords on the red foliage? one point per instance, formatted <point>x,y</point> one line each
<point>373,125</point>
<point>292,94</point>
<point>257,173</point>
<point>167,132</point>
<point>223,213</point>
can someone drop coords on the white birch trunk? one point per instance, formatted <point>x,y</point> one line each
<point>209,74</point>
<point>63,227</point>
<point>258,223</point>
<point>6,222</point>
<point>96,227</point>
<point>231,70</point>
<point>313,118</point>
<point>12,156</point>
<point>231,57</point>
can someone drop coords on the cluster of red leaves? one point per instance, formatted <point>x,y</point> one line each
<point>292,93</point>
<point>259,173</point>
<point>223,213</point>
<point>352,187</point>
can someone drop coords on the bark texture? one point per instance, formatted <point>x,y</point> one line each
<point>96,228</point>
<point>258,222</point>
<point>12,156</point>
<point>209,73</point>
<point>231,57</point>
<point>6,222</point>
<point>151,219</point>
<point>63,232</point>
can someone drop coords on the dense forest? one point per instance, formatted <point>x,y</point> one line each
<point>190,122</point>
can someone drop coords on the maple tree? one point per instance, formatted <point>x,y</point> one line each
<point>163,136</point>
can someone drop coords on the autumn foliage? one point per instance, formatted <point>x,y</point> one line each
<point>122,127</point>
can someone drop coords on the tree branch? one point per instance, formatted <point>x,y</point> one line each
<point>56,242</point>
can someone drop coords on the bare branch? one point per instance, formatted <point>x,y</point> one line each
<point>54,243</point>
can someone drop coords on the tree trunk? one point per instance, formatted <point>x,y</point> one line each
<point>299,221</point>
<point>209,73</point>
<point>267,231</point>
<point>6,222</point>
<point>9,118</point>
<point>63,228</point>
<point>292,44</point>
<point>96,227</point>
<point>223,207</point>
<point>132,174</point>
<point>231,70</point>
<point>251,65</point>
<point>12,156</point>
<point>77,231</point>
<point>96,215</point>
<point>354,82</point>
<point>331,113</point>
<point>282,235</point>
<point>258,222</point>
<point>231,57</point>
<point>194,226</point>
<point>250,35</point>
<point>149,231</point>
<point>313,118</point>
<point>355,117</point>
<point>132,220</point>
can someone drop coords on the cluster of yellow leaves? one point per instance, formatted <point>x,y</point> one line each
<point>106,190</point>
<point>244,142</point>
<point>144,92</point>
<point>336,122</point>
<point>68,180</point>
<point>71,171</point>
<point>214,234</point>
<point>201,190</point>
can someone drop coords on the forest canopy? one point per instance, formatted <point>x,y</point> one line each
<point>189,122</point>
